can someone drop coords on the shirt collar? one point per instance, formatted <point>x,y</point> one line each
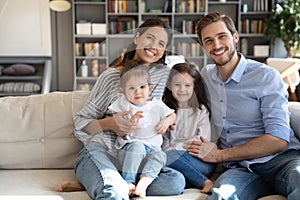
<point>239,70</point>
<point>237,73</point>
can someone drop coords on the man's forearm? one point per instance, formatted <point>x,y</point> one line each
<point>255,148</point>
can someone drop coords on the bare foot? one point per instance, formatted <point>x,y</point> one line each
<point>206,186</point>
<point>131,188</point>
<point>70,186</point>
<point>142,185</point>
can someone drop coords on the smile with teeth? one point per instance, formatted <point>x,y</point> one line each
<point>219,52</point>
<point>150,53</point>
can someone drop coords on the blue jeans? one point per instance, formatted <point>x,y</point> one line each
<point>98,172</point>
<point>194,170</point>
<point>137,158</point>
<point>281,175</point>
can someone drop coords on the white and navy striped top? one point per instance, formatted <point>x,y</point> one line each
<point>104,92</point>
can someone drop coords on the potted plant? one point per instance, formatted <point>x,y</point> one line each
<point>284,23</point>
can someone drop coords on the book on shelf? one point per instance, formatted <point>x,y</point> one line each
<point>188,49</point>
<point>124,25</point>
<point>90,49</point>
<point>142,6</point>
<point>97,67</point>
<point>244,46</point>
<point>187,27</point>
<point>122,6</point>
<point>168,6</point>
<point>260,5</point>
<point>252,26</point>
<point>190,6</point>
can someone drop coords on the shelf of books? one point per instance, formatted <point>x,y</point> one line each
<point>104,28</point>
<point>252,42</point>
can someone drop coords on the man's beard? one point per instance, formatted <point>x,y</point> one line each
<point>226,61</point>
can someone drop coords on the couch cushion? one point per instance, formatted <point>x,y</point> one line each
<point>294,108</point>
<point>37,131</point>
<point>37,185</point>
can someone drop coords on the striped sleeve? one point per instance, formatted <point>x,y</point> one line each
<point>102,95</point>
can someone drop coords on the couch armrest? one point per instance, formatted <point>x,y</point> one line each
<point>294,108</point>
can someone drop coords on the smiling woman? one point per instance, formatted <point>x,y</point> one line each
<point>97,128</point>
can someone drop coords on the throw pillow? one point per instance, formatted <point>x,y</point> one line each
<point>19,69</point>
<point>19,87</point>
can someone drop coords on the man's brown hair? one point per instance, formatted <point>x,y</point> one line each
<point>211,18</point>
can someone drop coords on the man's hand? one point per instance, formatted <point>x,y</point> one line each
<point>203,150</point>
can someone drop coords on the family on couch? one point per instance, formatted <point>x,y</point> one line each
<point>248,103</point>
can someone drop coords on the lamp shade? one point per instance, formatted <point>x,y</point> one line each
<point>60,5</point>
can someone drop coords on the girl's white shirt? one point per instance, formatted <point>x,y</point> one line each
<point>190,125</point>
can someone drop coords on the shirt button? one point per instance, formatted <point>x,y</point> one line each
<point>221,100</point>
<point>227,132</point>
<point>223,117</point>
<point>221,84</point>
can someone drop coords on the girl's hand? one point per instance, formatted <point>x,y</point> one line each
<point>165,124</point>
<point>122,124</point>
<point>162,126</point>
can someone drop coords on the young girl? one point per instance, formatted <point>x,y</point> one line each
<point>186,95</point>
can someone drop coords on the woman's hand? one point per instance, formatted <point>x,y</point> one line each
<point>123,125</point>
<point>203,149</point>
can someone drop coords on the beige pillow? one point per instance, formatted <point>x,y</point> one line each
<point>37,131</point>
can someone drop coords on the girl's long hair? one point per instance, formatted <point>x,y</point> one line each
<point>198,98</point>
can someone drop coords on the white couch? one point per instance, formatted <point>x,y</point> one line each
<point>38,147</point>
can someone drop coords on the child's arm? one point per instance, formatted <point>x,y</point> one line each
<point>164,124</point>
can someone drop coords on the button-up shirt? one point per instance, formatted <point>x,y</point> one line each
<point>251,103</point>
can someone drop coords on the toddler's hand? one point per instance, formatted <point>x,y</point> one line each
<point>135,118</point>
<point>123,125</point>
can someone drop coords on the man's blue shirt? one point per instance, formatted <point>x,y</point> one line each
<point>251,103</point>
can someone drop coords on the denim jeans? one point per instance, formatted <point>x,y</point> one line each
<point>138,158</point>
<point>280,175</point>
<point>194,170</point>
<point>98,171</point>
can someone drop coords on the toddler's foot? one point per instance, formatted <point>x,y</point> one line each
<point>206,186</point>
<point>141,187</point>
<point>70,186</point>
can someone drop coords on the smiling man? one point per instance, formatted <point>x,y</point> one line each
<point>248,101</point>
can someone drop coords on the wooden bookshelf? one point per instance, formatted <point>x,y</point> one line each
<point>123,16</point>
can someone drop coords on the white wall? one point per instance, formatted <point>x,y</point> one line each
<point>25,28</point>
